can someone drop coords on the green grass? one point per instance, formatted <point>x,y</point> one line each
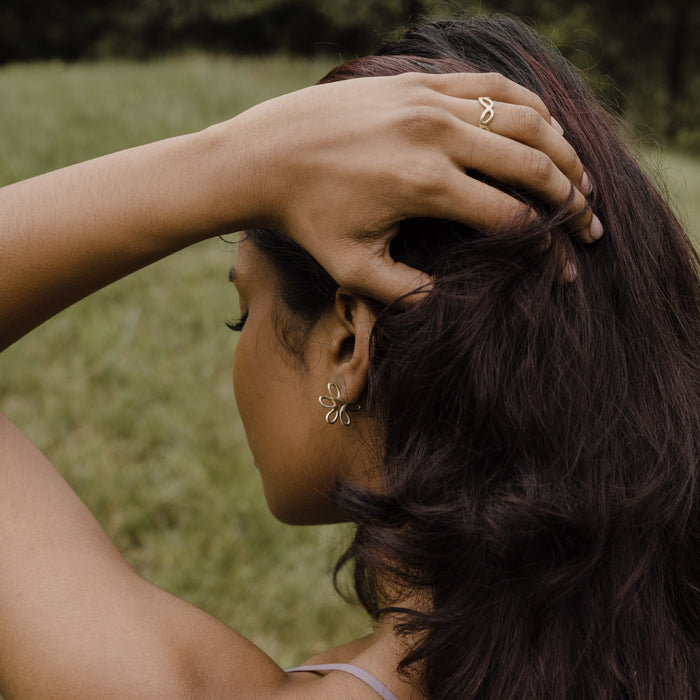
<point>681,173</point>
<point>129,392</point>
<point>677,175</point>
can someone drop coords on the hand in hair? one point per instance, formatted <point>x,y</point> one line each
<point>336,167</point>
<point>340,165</point>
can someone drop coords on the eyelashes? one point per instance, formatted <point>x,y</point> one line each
<point>237,326</point>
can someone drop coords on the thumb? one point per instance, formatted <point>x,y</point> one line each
<point>388,281</point>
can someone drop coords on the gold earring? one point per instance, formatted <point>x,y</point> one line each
<point>338,407</point>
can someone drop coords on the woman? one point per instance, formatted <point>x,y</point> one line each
<point>536,531</point>
<point>516,435</point>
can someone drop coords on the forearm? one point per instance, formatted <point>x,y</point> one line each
<point>67,233</point>
<point>336,167</point>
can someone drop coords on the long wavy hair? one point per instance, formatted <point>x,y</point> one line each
<point>542,439</point>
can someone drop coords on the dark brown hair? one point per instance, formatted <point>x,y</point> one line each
<point>542,439</point>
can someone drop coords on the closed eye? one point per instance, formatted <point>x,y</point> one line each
<point>237,325</point>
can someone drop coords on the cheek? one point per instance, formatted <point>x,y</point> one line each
<point>282,425</point>
<point>268,403</point>
<point>239,389</point>
<point>246,389</point>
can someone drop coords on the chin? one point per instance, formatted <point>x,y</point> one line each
<point>314,511</point>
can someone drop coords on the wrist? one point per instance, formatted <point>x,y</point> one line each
<point>242,165</point>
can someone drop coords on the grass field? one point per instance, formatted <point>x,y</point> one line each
<point>129,392</point>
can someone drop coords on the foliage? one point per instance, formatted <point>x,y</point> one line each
<point>141,28</point>
<point>649,50</point>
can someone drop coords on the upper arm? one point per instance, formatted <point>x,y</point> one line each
<point>78,622</point>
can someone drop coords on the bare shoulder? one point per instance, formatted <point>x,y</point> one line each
<point>377,654</point>
<point>343,654</point>
<point>78,622</point>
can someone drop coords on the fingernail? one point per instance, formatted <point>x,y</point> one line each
<point>569,273</point>
<point>586,186</point>
<point>557,126</point>
<point>596,229</point>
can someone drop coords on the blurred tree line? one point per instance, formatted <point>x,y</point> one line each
<point>648,51</point>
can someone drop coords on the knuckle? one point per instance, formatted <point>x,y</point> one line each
<point>409,80</point>
<point>571,163</point>
<point>583,214</point>
<point>538,168</point>
<point>422,178</point>
<point>422,120</point>
<point>433,186</point>
<point>413,78</point>
<point>538,104</point>
<point>528,122</point>
<point>494,83</point>
<point>508,211</point>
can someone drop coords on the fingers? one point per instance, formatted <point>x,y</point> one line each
<point>568,272</point>
<point>513,163</point>
<point>520,148</point>
<point>485,208</point>
<point>567,269</point>
<point>526,125</point>
<point>404,151</point>
<point>491,85</point>
<point>518,116</point>
<point>390,281</point>
<point>533,172</point>
<point>478,205</point>
<point>377,276</point>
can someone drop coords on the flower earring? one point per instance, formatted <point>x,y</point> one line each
<point>338,407</point>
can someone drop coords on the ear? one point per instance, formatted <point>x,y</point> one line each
<point>350,326</point>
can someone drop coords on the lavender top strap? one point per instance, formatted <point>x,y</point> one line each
<point>367,678</point>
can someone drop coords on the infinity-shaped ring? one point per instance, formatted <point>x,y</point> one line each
<point>488,114</point>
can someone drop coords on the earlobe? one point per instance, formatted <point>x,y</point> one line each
<point>354,321</point>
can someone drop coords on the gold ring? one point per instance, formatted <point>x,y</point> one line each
<point>487,115</point>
